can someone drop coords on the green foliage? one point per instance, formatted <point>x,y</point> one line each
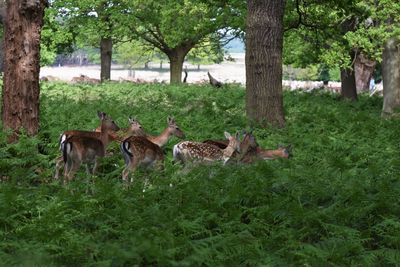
<point>135,53</point>
<point>206,53</point>
<point>55,38</point>
<point>335,202</point>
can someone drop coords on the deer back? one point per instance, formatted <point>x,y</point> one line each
<point>189,150</point>
<point>106,132</point>
<point>141,150</point>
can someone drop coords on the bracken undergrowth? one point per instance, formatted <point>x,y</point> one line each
<point>335,202</point>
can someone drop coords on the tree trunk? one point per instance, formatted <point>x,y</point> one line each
<point>364,68</point>
<point>20,107</point>
<point>348,90</point>
<point>391,77</point>
<point>264,41</point>
<point>106,56</point>
<point>176,57</point>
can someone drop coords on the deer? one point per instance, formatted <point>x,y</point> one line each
<point>140,151</point>
<point>195,151</point>
<point>280,152</point>
<point>253,151</point>
<point>135,128</point>
<point>145,150</point>
<point>78,149</point>
<point>171,130</point>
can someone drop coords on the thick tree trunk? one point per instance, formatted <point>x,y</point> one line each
<point>20,107</point>
<point>348,90</point>
<point>391,77</point>
<point>364,68</point>
<point>264,41</point>
<point>106,57</point>
<point>176,57</point>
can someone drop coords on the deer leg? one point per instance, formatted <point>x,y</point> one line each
<point>59,163</point>
<point>95,166</point>
<point>73,169</point>
<point>159,165</point>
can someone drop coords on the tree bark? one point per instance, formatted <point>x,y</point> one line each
<point>364,68</point>
<point>391,77</point>
<point>348,90</point>
<point>20,107</point>
<point>264,42</point>
<point>106,57</point>
<point>176,57</point>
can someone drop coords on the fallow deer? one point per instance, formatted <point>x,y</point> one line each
<point>135,128</point>
<point>254,151</point>
<point>268,154</point>
<point>139,151</point>
<point>78,149</point>
<point>195,151</point>
<point>171,130</point>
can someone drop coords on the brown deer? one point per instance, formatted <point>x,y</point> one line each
<point>135,128</point>
<point>139,151</point>
<point>171,130</point>
<point>78,149</point>
<point>280,152</point>
<point>195,151</point>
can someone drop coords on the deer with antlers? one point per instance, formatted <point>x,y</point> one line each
<point>194,151</point>
<point>87,148</point>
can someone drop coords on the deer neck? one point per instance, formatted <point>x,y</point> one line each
<point>227,153</point>
<point>105,136</point>
<point>162,139</point>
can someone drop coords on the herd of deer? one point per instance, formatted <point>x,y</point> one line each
<point>140,149</point>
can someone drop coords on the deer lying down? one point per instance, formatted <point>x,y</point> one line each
<point>194,151</point>
<point>255,152</point>
<point>78,149</point>
<point>139,151</point>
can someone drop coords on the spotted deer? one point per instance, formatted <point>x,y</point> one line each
<point>135,128</point>
<point>194,151</point>
<point>139,151</point>
<point>78,149</point>
<point>251,151</point>
<point>171,130</point>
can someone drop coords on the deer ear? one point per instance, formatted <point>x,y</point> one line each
<point>227,135</point>
<point>131,120</point>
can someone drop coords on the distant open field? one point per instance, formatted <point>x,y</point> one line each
<point>227,72</point>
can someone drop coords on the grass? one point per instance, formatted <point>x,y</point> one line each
<point>334,203</point>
